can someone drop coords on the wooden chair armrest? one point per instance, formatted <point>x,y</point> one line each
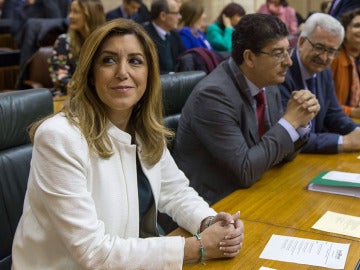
<point>33,84</point>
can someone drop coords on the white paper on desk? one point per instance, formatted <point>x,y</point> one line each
<point>342,176</point>
<point>306,251</point>
<point>339,223</point>
<point>266,268</point>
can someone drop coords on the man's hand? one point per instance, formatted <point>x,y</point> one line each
<point>301,108</point>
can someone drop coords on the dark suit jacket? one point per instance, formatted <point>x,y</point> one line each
<point>41,9</point>
<point>177,47</point>
<point>343,6</point>
<point>330,122</point>
<point>114,14</point>
<point>141,16</point>
<point>217,143</point>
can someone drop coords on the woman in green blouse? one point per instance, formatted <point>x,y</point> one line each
<point>219,33</point>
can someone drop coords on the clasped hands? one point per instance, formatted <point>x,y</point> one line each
<point>301,108</point>
<point>224,237</point>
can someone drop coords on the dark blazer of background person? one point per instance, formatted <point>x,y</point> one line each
<point>330,122</point>
<point>177,47</point>
<point>8,8</point>
<point>114,14</point>
<point>213,171</point>
<point>40,9</point>
<point>141,16</point>
<point>343,6</point>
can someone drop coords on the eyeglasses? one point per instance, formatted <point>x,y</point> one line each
<point>280,55</point>
<point>320,49</point>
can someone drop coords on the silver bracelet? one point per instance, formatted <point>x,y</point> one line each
<point>208,223</point>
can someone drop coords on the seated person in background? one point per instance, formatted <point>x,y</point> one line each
<point>219,33</point>
<point>8,7</point>
<point>282,10</point>
<point>165,18</point>
<point>179,2</point>
<point>143,14</point>
<point>325,6</point>
<point>338,7</point>
<point>345,66</point>
<point>84,17</point>
<point>44,9</point>
<point>89,202</point>
<point>191,23</point>
<point>221,144</point>
<point>127,10</point>
<point>332,130</point>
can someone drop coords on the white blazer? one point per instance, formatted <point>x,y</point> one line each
<point>82,212</point>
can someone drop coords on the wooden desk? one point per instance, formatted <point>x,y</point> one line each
<point>356,120</point>
<point>58,103</point>
<point>279,203</point>
<point>257,234</point>
<point>280,197</point>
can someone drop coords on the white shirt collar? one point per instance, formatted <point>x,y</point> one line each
<point>161,32</point>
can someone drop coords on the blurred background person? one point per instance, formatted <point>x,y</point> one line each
<point>220,32</point>
<point>179,2</point>
<point>338,7</point>
<point>191,24</point>
<point>325,6</point>
<point>84,17</point>
<point>129,9</point>
<point>162,29</point>
<point>283,11</point>
<point>28,9</point>
<point>345,66</point>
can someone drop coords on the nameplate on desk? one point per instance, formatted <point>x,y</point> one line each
<point>336,182</point>
<point>306,251</point>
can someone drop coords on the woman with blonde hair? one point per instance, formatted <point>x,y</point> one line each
<point>84,17</point>
<point>101,171</point>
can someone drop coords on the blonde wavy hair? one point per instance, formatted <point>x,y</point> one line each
<point>84,109</point>
<point>93,11</point>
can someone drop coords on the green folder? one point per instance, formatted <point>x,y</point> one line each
<point>349,186</point>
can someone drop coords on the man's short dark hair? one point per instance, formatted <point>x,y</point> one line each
<point>157,7</point>
<point>254,32</point>
<point>138,1</point>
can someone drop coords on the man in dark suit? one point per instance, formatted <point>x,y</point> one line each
<point>332,130</point>
<point>338,7</point>
<point>128,10</point>
<point>219,144</point>
<point>165,18</point>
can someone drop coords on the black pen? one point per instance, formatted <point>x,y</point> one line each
<point>357,267</point>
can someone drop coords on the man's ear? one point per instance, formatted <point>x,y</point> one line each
<point>301,40</point>
<point>249,58</point>
<point>162,16</point>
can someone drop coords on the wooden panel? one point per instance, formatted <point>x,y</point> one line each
<point>8,77</point>
<point>7,41</point>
